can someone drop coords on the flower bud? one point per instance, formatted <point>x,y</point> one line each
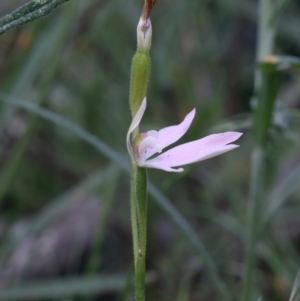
<point>144,35</point>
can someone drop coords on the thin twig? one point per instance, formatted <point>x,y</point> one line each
<point>30,11</point>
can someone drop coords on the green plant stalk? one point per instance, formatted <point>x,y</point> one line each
<point>141,196</point>
<point>133,213</point>
<point>141,193</point>
<point>263,85</point>
<point>140,73</point>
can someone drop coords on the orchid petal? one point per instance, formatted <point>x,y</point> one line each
<point>195,151</point>
<point>134,124</point>
<point>171,134</point>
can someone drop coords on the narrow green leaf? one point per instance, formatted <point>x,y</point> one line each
<point>60,288</point>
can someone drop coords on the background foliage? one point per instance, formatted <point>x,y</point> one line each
<point>64,190</point>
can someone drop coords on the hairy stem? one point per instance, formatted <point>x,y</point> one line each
<point>133,213</point>
<point>141,196</point>
<point>30,11</point>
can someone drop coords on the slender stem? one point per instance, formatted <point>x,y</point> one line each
<point>255,182</point>
<point>265,36</point>
<point>140,277</point>
<point>140,72</point>
<point>263,115</point>
<point>133,212</point>
<point>141,194</point>
<point>139,226</point>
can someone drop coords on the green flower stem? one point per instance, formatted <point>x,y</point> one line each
<point>30,11</point>
<point>141,196</point>
<point>133,213</point>
<point>140,271</point>
<point>140,73</point>
<point>139,226</point>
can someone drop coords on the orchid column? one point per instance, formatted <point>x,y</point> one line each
<point>140,72</point>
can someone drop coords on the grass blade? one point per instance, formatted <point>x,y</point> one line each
<point>61,288</point>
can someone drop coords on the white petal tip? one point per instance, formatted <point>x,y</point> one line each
<point>235,135</point>
<point>192,113</point>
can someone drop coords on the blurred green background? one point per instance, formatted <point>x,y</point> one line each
<point>64,219</point>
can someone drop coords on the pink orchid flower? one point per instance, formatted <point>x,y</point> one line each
<point>145,145</point>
